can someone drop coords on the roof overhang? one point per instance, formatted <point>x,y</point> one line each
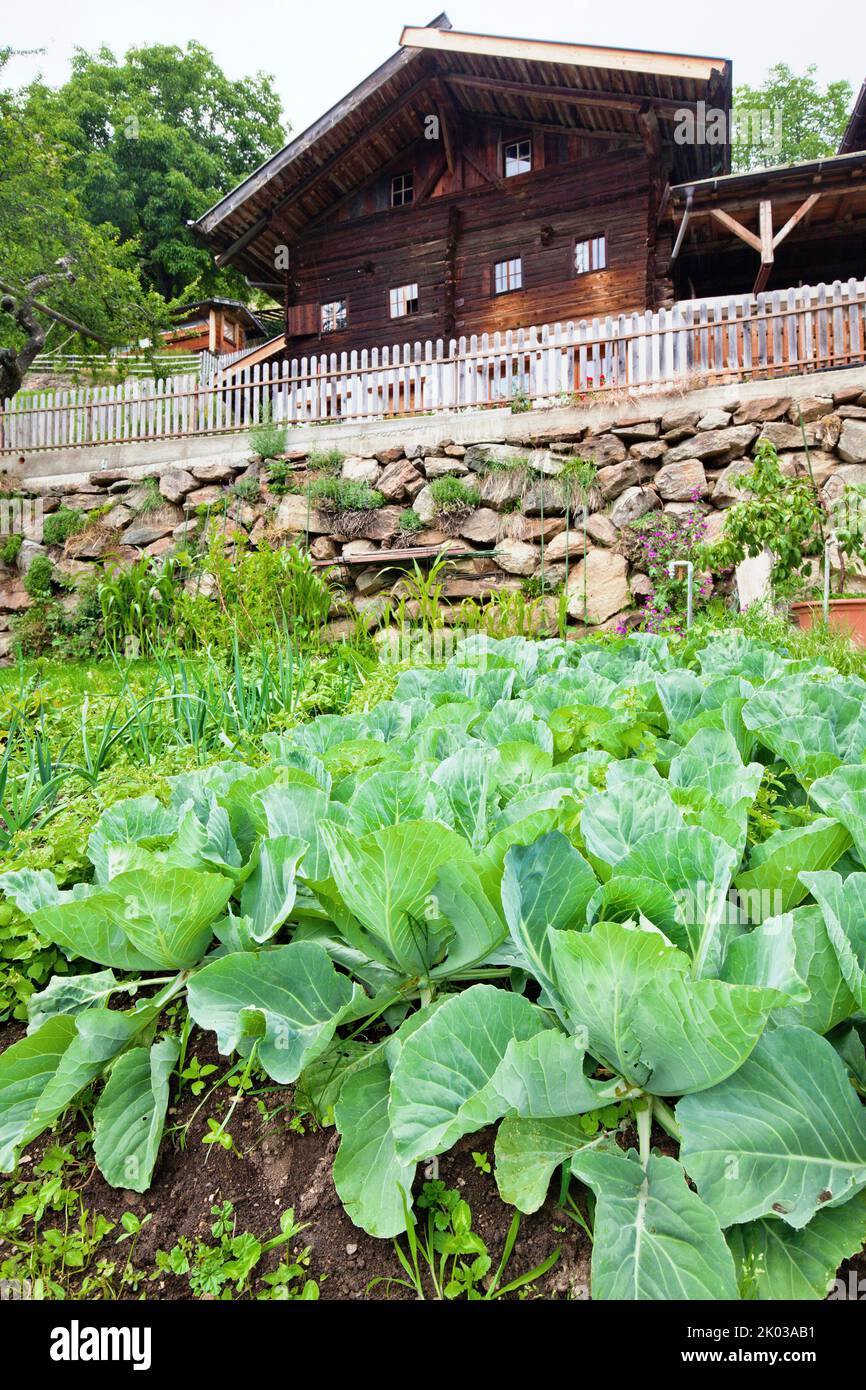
<point>569,54</point>
<point>597,92</point>
<point>854,137</point>
<point>762,208</point>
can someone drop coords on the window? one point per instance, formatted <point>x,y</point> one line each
<point>402,190</point>
<point>590,255</point>
<point>404,300</point>
<point>508,275</point>
<point>334,316</point>
<point>518,158</point>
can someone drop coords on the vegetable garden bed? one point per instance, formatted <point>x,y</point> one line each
<point>581,923</point>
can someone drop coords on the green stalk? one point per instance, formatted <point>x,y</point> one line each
<point>665,1116</point>
<point>644,1116</point>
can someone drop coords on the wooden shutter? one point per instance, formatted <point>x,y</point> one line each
<point>303,320</point>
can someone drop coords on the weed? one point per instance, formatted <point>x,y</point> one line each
<point>58,526</point>
<point>268,439</point>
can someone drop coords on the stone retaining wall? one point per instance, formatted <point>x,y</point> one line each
<point>657,455</point>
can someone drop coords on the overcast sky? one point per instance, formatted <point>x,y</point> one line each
<point>320,49</point>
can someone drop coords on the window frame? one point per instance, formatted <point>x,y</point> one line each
<point>513,145</point>
<point>591,242</point>
<point>404,202</point>
<point>338,327</point>
<point>508,288</point>
<point>407,300</point>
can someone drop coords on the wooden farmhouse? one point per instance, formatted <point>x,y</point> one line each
<point>212,325</point>
<point>475,183</point>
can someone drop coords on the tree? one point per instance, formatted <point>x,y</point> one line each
<point>800,120</point>
<point>154,141</point>
<point>57,271</point>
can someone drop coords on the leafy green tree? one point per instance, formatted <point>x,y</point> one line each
<point>154,140</point>
<point>61,278</point>
<point>802,120</point>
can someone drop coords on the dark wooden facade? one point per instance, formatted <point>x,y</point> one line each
<point>317,225</point>
<point>449,244</point>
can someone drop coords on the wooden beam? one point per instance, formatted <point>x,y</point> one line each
<point>254,356</point>
<point>571,96</point>
<point>648,125</point>
<point>737,228</point>
<point>445,111</point>
<point>765,222</point>
<point>242,241</point>
<point>802,212</point>
<point>553,127</point>
<point>489,174</point>
<point>574,54</point>
<point>431,180</point>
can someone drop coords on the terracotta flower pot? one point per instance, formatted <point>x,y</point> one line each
<point>846,615</point>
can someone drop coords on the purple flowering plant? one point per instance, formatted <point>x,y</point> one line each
<point>655,540</point>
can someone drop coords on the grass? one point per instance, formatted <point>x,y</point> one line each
<point>342,494</point>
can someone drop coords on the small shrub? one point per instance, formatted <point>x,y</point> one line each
<point>267,438</point>
<point>37,627</point>
<point>326,461</point>
<point>410,523</point>
<point>342,494</point>
<point>494,464</point>
<point>10,548</point>
<point>246,490</point>
<point>39,578</point>
<point>151,498</point>
<point>454,500</point>
<point>450,493</point>
<point>60,525</point>
<point>281,477</point>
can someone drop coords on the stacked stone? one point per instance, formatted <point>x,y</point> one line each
<point>657,457</point>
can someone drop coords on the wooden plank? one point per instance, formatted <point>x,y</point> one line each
<point>765,222</point>
<point>800,215</point>
<point>737,228</point>
<point>573,54</point>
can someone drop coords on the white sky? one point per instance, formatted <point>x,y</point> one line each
<point>320,49</point>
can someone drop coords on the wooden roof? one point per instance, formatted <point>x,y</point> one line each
<point>568,86</point>
<point>818,200</point>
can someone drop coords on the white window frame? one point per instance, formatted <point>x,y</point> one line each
<point>401,184</point>
<point>511,153</point>
<point>590,253</point>
<point>336,321</point>
<point>508,275</point>
<point>403,300</point>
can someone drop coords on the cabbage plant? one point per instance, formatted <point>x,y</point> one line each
<point>540,881</point>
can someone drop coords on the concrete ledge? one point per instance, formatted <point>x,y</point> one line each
<point>45,469</point>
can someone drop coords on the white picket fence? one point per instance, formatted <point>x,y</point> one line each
<point>73,362</point>
<point>780,333</point>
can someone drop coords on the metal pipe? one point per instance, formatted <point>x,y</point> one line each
<point>690,584</point>
<point>826,603</point>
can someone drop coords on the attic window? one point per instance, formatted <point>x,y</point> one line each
<point>402,189</point>
<point>590,255</point>
<point>518,158</point>
<point>508,275</point>
<point>335,316</point>
<point>404,300</point>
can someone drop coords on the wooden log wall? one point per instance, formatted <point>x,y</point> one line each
<point>468,217</point>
